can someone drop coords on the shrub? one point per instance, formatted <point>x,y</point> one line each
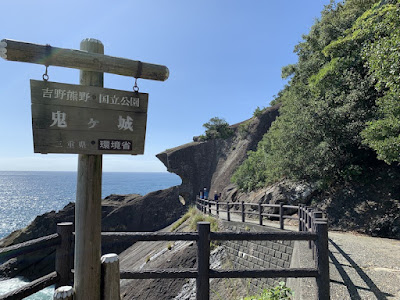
<point>243,129</point>
<point>258,111</point>
<point>277,293</point>
<point>216,128</point>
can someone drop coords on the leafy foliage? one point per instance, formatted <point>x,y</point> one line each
<point>383,56</point>
<point>258,111</point>
<point>279,292</point>
<point>243,129</point>
<point>342,99</point>
<point>216,128</point>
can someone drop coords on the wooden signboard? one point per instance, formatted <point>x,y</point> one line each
<point>81,119</point>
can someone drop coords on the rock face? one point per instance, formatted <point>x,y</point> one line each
<point>211,163</point>
<point>133,212</point>
<point>370,205</point>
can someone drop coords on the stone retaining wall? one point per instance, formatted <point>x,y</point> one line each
<point>257,254</point>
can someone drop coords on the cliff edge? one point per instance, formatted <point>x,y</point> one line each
<point>211,163</point>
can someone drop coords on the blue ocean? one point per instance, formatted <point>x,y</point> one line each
<point>24,195</point>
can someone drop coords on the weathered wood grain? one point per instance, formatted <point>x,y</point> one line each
<point>55,93</point>
<point>87,265</point>
<point>29,246</point>
<point>110,277</point>
<point>31,288</point>
<point>75,119</point>
<point>64,292</point>
<point>80,59</point>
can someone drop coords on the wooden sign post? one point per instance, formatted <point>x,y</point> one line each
<point>87,263</point>
<point>91,121</point>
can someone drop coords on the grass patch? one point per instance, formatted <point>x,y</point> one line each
<point>276,293</point>
<point>191,212</point>
<point>193,216</point>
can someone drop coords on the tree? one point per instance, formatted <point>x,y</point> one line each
<point>216,128</point>
<point>330,98</point>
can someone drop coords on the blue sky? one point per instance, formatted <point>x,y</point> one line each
<point>224,56</point>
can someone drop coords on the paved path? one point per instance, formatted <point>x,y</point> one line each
<point>361,267</point>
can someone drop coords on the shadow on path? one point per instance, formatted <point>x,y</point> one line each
<point>351,287</point>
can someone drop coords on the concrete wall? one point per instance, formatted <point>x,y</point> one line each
<point>257,254</point>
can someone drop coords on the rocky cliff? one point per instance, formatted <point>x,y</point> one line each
<point>370,204</point>
<point>211,163</point>
<point>151,212</point>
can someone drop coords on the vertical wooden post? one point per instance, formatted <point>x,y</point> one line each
<point>64,256</point>
<point>87,275</point>
<point>302,218</point>
<point>322,262</point>
<point>228,213</point>
<point>310,223</point>
<point>316,216</point>
<point>64,292</point>
<point>281,224</point>
<point>217,207</point>
<point>260,212</point>
<point>110,276</point>
<point>203,262</point>
<point>299,216</point>
<point>243,214</point>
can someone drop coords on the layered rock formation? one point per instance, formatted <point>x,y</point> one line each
<point>211,163</point>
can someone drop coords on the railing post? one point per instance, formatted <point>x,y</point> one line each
<point>217,207</point>
<point>110,276</point>
<point>299,215</point>
<point>316,215</point>
<point>228,213</point>
<point>64,256</point>
<point>209,206</point>
<point>322,260</point>
<point>243,214</point>
<point>203,261</point>
<point>64,292</point>
<point>260,216</point>
<point>281,225</point>
<point>310,223</point>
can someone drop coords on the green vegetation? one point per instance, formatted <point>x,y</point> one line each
<point>216,128</point>
<point>243,129</point>
<point>340,110</point>
<point>279,292</point>
<point>258,111</point>
<point>191,212</point>
<point>193,216</point>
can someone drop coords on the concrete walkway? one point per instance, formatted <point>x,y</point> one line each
<point>361,267</point>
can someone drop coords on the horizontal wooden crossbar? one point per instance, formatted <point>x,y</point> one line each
<point>29,246</point>
<point>265,236</point>
<point>192,273</point>
<point>32,287</point>
<point>151,236</point>
<point>78,59</point>
<point>166,273</point>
